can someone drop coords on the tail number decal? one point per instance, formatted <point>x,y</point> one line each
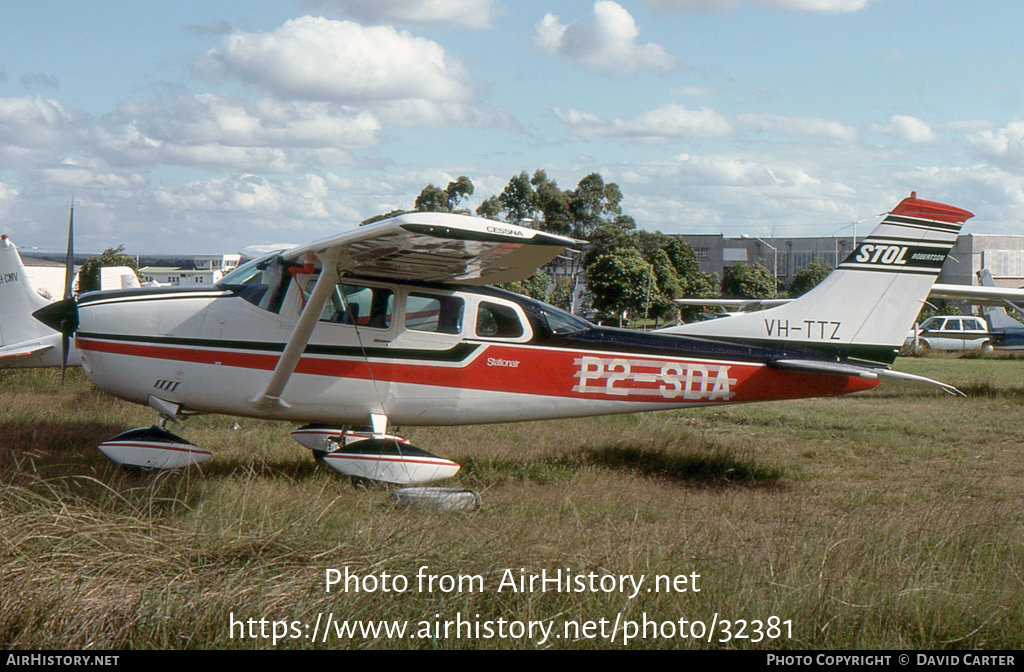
<point>651,378</point>
<point>820,330</point>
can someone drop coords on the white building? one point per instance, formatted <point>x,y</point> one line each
<point>207,270</point>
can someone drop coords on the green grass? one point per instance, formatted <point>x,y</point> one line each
<point>890,519</point>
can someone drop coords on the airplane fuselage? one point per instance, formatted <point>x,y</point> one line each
<point>421,354</point>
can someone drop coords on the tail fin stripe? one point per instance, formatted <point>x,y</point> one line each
<point>922,223</point>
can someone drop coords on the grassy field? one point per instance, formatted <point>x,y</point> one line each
<point>891,519</point>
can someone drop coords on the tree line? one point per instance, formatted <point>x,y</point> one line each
<point>628,270</point>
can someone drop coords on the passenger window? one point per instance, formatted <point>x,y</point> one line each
<point>435,313</point>
<point>372,307</point>
<point>952,325</point>
<point>496,321</point>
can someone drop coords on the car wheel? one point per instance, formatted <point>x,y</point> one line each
<point>987,347</point>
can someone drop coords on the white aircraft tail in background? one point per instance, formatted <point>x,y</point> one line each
<point>24,341</point>
<point>118,277</point>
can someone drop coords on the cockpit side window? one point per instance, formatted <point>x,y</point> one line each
<point>496,321</point>
<point>263,283</point>
<point>372,307</point>
<point>436,313</point>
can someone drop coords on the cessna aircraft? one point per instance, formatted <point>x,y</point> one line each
<point>24,342</point>
<point>393,323</point>
<point>1006,332</point>
<point>28,343</point>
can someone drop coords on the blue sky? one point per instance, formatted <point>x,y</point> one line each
<point>208,126</point>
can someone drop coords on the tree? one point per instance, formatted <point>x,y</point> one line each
<point>808,277</point>
<point>561,293</point>
<point>381,218</point>
<point>89,275</point>
<point>535,286</point>
<point>619,280</point>
<point>746,281</point>
<point>490,208</point>
<point>518,200</point>
<point>432,199</point>
<point>666,286</point>
<point>591,204</point>
<point>435,199</point>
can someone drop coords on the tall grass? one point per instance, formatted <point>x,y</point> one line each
<point>886,520</point>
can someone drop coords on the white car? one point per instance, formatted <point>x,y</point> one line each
<point>957,332</point>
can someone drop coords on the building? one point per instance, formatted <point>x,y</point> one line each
<point>1002,255</point>
<point>207,269</point>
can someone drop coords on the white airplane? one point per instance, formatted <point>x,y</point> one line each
<point>24,342</point>
<point>393,324</point>
<point>1006,332</point>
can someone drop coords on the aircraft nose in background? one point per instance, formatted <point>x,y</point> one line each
<point>61,316</point>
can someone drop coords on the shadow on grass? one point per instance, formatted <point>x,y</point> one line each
<point>711,467</point>
<point>715,467</point>
<point>46,443</point>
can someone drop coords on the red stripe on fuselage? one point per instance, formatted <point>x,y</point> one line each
<point>542,371</point>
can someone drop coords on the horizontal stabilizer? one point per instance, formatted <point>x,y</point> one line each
<point>24,351</point>
<point>842,369</point>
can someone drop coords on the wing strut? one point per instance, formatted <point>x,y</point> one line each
<point>271,396</point>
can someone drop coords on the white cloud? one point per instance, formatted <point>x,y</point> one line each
<point>908,128</point>
<point>476,14</point>
<point>674,121</point>
<point>892,55</point>
<point>663,124</point>
<point>807,126</point>
<point>607,46</point>
<point>817,6</point>
<point>34,122</point>
<point>314,58</point>
<point>1004,146</point>
<point>224,131</point>
<point>665,7</point>
<point>433,113</point>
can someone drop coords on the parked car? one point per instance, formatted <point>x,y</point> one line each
<point>958,332</point>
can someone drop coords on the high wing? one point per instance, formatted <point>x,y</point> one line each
<point>982,296</point>
<point>424,247</point>
<point>734,305</point>
<point>438,247</point>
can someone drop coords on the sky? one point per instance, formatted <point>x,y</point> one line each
<point>208,126</point>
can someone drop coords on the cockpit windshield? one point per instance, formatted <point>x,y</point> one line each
<point>262,282</point>
<point>560,322</point>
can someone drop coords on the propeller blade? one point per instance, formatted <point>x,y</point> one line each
<point>69,275</point>
<point>69,263</point>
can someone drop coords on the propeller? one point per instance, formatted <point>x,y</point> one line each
<point>69,274</point>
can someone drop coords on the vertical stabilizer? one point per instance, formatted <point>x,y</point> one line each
<point>997,317</point>
<point>18,299</point>
<point>864,308</point>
